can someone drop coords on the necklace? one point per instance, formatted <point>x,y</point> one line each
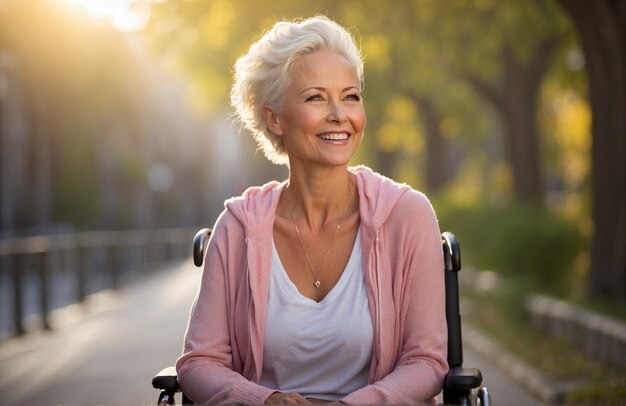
<point>317,282</point>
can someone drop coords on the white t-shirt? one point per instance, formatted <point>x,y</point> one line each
<point>320,350</point>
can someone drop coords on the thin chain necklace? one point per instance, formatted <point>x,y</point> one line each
<point>317,282</point>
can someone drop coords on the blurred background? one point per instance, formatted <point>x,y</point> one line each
<point>509,115</point>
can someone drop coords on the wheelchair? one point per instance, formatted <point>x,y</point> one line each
<point>462,386</point>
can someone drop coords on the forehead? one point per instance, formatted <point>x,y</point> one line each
<point>323,68</point>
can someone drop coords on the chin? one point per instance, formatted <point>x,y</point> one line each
<point>338,161</point>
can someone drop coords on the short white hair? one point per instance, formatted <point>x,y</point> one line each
<point>262,75</point>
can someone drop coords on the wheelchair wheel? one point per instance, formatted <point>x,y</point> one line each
<point>166,398</point>
<point>483,398</point>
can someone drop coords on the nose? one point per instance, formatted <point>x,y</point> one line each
<point>336,112</point>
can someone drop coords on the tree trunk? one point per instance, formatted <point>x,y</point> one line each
<point>602,28</point>
<point>437,172</point>
<point>386,162</point>
<point>520,89</point>
<point>515,100</point>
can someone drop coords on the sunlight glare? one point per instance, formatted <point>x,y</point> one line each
<point>123,15</point>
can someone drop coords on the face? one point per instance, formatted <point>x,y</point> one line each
<point>322,118</point>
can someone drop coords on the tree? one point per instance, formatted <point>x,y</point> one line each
<point>417,73</point>
<point>503,50</point>
<point>601,25</point>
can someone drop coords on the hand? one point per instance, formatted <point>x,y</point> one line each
<point>327,402</point>
<point>280,398</point>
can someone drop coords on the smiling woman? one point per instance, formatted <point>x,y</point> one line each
<point>326,287</point>
<point>123,15</point>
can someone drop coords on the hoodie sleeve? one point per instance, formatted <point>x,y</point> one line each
<point>205,370</point>
<point>413,238</point>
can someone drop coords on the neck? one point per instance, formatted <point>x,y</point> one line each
<point>320,197</point>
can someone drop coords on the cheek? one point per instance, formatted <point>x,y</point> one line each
<point>359,120</point>
<point>310,119</point>
<point>304,120</point>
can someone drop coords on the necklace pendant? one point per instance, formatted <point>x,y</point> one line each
<point>317,284</point>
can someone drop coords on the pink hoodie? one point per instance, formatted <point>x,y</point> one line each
<point>403,266</point>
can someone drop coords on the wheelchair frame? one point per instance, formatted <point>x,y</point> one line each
<point>462,386</point>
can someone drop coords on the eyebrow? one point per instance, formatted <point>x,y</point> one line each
<point>319,88</point>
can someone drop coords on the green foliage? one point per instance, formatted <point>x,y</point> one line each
<point>606,389</point>
<point>515,240</point>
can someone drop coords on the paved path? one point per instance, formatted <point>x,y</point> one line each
<point>504,390</point>
<point>109,357</point>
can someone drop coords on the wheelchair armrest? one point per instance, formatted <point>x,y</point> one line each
<point>167,379</point>
<point>463,378</point>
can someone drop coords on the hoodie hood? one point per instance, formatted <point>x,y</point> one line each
<point>378,196</point>
<point>255,209</point>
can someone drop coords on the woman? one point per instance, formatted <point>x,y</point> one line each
<point>329,286</point>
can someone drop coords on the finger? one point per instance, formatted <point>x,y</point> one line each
<point>278,398</point>
<point>302,400</point>
<point>297,398</point>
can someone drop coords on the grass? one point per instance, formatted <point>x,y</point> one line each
<point>500,314</point>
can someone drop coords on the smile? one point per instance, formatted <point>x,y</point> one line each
<point>334,136</point>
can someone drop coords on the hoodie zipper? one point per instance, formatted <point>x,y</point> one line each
<point>249,304</point>
<point>378,300</point>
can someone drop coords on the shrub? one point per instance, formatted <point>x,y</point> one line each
<point>523,240</point>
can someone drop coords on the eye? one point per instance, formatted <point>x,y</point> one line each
<point>315,97</point>
<point>354,97</point>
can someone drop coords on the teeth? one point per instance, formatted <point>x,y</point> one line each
<point>334,137</point>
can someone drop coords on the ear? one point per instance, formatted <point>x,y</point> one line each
<point>271,120</point>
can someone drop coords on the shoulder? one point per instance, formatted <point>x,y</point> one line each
<point>414,202</point>
<point>227,230</point>
<point>413,214</point>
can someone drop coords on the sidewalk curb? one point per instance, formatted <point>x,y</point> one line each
<point>598,335</point>
<point>527,376</point>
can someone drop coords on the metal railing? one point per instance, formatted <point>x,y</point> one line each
<point>113,254</point>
